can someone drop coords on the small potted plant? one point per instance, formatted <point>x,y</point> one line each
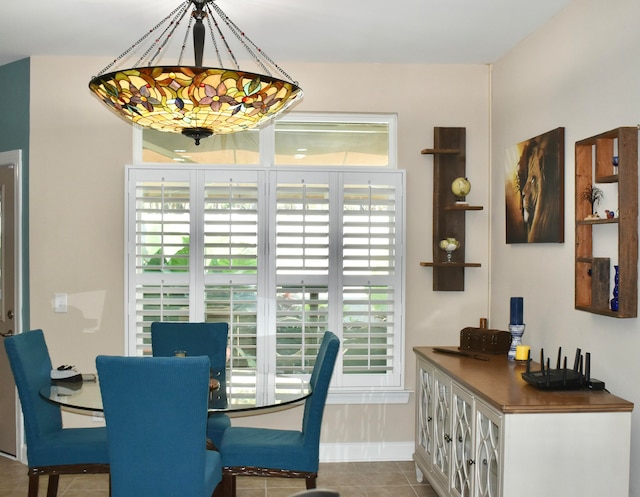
<point>594,196</point>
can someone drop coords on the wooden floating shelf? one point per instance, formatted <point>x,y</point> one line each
<point>614,220</point>
<point>450,264</point>
<point>588,260</point>
<point>611,178</point>
<point>449,163</point>
<point>441,151</point>
<point>463,207</point>
<point>604,311</point>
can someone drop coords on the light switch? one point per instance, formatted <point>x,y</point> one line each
<point>60,302</point>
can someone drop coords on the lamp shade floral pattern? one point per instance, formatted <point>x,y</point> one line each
<point>175,99</point>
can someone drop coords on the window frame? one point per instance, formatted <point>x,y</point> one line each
<point>341,392</point>
<point>391,120</point>
<point>267,136</point>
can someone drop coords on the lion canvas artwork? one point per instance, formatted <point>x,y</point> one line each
<point>534,189</point>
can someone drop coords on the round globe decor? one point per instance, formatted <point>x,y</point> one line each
<point>461,188</point>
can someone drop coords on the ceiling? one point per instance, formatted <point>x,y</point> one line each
<point>345,31</point>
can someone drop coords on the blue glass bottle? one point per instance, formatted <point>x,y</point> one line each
<point>616,289</point>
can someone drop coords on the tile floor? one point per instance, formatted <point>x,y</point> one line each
<point>353,479</point>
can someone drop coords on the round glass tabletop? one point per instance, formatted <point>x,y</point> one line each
<point>242,391</point>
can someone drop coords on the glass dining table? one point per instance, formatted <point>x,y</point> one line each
<point>243,391</point>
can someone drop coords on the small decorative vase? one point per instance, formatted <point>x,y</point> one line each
<point>449,245</point>
<point>449,253</point>
<point>516,330</point>
<point>616,289</point>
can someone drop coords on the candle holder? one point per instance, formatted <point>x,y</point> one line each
<point>516,330</point>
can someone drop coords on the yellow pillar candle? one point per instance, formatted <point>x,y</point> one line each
<point>522,352</point>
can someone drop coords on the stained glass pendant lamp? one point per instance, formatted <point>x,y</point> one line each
<point>196,101</point>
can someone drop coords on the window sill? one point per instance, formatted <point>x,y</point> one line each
<point>369,397</point>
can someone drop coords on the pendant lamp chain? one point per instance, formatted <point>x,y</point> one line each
<point>196,101</point>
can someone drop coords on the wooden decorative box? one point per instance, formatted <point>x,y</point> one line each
<point>484,340</point>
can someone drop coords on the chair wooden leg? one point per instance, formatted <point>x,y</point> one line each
<point>52,488</point>
<point>53,476</point>
<point>218,491</point>
<point>310,482</point>
<point>228,485</point>
<point>33,485</point>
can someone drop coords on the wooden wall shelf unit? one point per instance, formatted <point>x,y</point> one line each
<point>449,163</point>
<point>593,290</point>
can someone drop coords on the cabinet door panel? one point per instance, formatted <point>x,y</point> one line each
<point>425,411</point>
<point>488,464</point>
<point>462,446</point>
<point>442,425</point>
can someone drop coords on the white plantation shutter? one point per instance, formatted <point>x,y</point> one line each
<point>301,320</point>
<point>230,229</point>
<point>231,223</point>
<point>302,248</point>
<point>282,255</point>
<point>159,254</point>
<point>159,302</point>
<point>368,328</point>
<point>369,225</point>
<point>301,224</point>
<point>372,224</point>
<point>162,225</point>
<point>238,306</point>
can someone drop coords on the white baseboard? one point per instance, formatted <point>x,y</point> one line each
<point>340,452</point>
<point>361,452</point>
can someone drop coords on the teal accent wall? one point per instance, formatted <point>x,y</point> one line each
<point>15,84</point>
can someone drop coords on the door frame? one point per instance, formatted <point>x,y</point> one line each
<point>14,157</point>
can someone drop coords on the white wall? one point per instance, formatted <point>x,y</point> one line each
<point>76,212</point>
<point>78,154</point>
<point>579,71</point>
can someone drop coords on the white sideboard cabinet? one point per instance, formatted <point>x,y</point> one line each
<point>481,431</point>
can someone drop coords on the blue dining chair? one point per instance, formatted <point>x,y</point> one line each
<point>198,339</point>
<point>156,414</point>
<point>51,449</point>
<point>248,451</point>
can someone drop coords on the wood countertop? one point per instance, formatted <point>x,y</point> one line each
<point>499,382</point>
